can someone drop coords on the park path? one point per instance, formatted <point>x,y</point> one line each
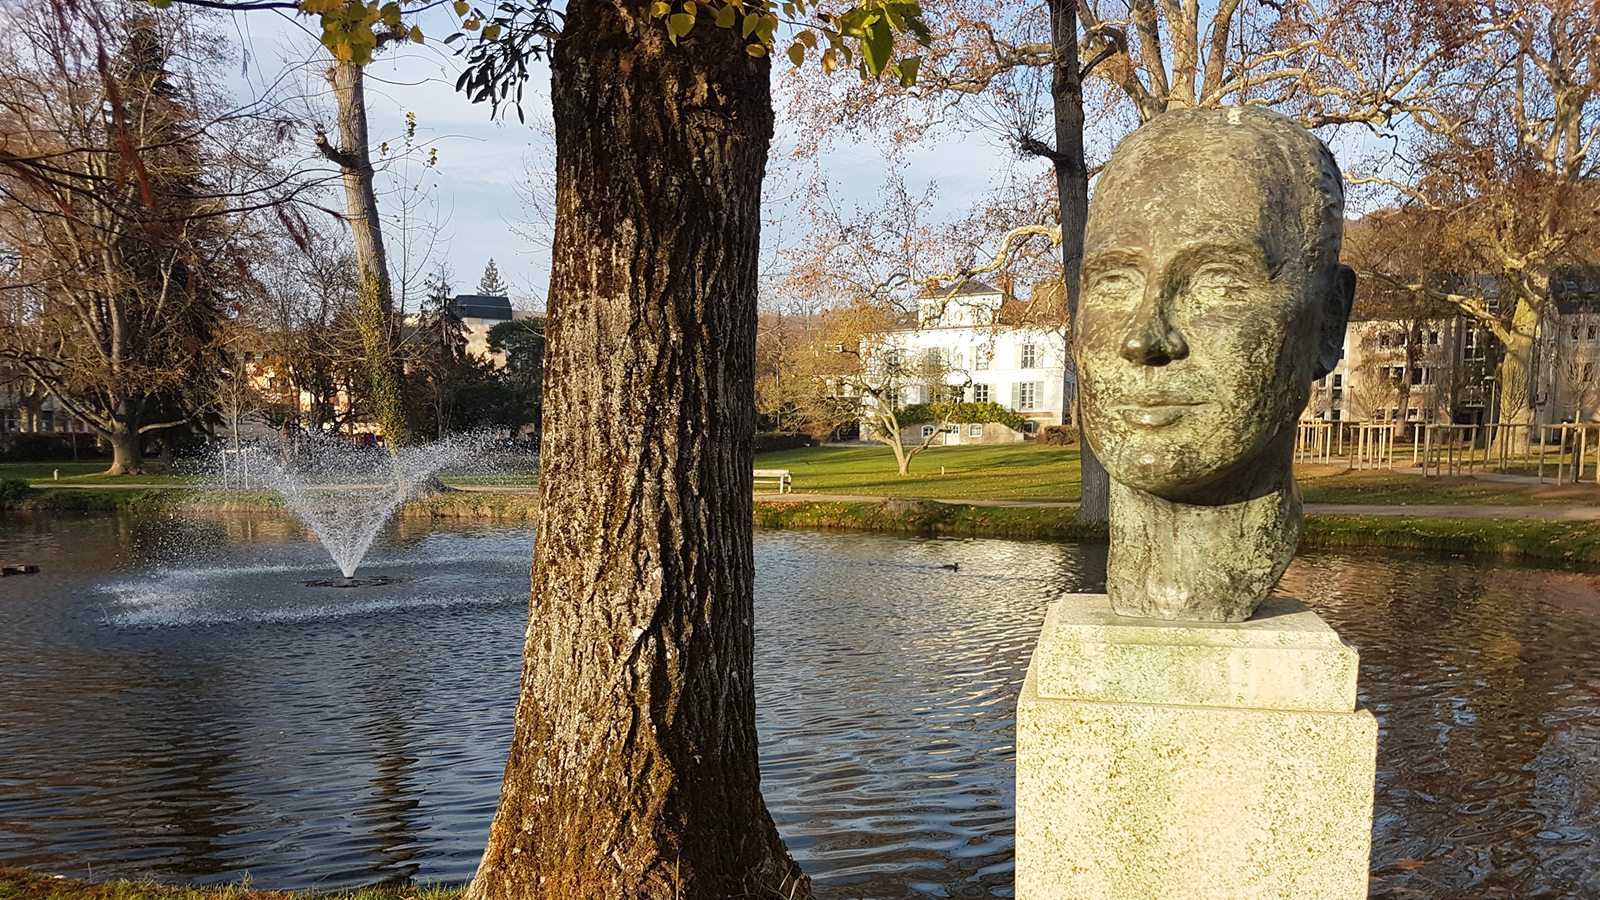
<point>1427,511</point>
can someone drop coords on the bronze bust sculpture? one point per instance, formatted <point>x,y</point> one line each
<point>1212,297</point>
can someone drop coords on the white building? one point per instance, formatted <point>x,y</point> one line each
<point>965,339</point>
<point>1410,371</point>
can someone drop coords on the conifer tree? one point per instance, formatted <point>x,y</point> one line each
<point>490,284</point>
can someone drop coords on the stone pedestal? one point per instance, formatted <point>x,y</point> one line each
<point>1165,760</point>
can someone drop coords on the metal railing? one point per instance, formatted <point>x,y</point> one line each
<point>1564,453</point>
<point>1360,445</point>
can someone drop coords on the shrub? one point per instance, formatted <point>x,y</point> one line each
<point>771,441</point>
<point>12,490</point>
<point>31,446</point>
<point>1059,436</point>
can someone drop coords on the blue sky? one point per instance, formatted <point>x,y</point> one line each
<point>478,192</point>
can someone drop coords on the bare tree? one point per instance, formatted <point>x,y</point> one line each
<point>1503,196</point>
<point>130,195</point>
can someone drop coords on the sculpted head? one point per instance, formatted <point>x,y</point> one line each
<point>1212,296</point>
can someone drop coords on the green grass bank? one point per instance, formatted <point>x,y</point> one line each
<point>18,884</point>
<point>1561,542</point>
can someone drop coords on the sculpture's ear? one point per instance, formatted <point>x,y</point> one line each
<point>1335,316</point>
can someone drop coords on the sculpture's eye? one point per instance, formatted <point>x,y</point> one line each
<point>1116,283</point>
<point>1217,277</point>
<point>1216,289</point>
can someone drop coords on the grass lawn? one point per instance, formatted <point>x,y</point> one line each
<point>1000,472</point>
<point>1037,472</point>
<point>1024,472</point>
<point>1322,485</point>
<point>80,473</point>
<point>40,471</point>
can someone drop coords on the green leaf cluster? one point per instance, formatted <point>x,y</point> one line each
<point>873,28</point>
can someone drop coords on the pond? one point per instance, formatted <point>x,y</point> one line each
<point>189,710</point>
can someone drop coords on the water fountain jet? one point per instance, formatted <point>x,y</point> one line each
<point>346,493</point>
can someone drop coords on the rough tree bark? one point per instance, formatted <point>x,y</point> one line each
<point>375,298</point>
<point>1072,186</point>
<point>633,769</point>
<point>127,444</point>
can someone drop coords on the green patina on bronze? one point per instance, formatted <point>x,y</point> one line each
<point>1212,296</point>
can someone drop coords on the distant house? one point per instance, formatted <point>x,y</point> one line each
<point>1443,369</point>
<point>966,339</point>
<point>478,314</point>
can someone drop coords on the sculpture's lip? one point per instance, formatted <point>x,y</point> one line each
<point>1155,413</point>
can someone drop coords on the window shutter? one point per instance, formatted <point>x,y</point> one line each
<point>1016,395</point>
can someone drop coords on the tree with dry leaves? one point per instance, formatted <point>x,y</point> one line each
<point>1042,74</point>
<point>1501,205</point>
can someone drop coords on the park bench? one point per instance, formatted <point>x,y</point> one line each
<point>778,477</point>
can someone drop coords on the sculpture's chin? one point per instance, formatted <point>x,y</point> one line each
<point>1168,473</point>
<point>1181,472</point>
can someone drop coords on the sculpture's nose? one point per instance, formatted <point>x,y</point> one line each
<point>1151,340</point>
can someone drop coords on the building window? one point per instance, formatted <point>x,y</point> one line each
<point>1025,395</point>
<point>980,393</point>
<point>1419,375</point>
<point>1591,332</point>
<point>1433,338</point>
<point>981,357</point>
<point>1338,381</point>
<point>1333,415</point>
<point>1588,372</point>
<point>1413,413</point>
<point>975,430</point>
<point>1027,357</point>
<point>1394,414</point>
<point>927,431</point>
<point>1574,332</point>
<point>1383,339</point>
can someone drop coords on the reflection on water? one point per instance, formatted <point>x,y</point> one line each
<point>195,723</point>
<point>887,690</point>
<point>1486,685</point>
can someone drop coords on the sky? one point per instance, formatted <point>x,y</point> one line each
<point>480,198</point>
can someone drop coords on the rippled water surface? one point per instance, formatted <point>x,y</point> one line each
<point>195,716</point>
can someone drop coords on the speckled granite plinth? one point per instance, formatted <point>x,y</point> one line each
<point>1165,760</point>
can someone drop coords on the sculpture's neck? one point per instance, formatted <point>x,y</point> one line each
<point>1208,562</point>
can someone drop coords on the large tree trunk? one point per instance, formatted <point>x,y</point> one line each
<point>1072,187</point>
<point>375,314</point>
<point>1515,377</point>
<point>633,770</point>
<point>127,445</point>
